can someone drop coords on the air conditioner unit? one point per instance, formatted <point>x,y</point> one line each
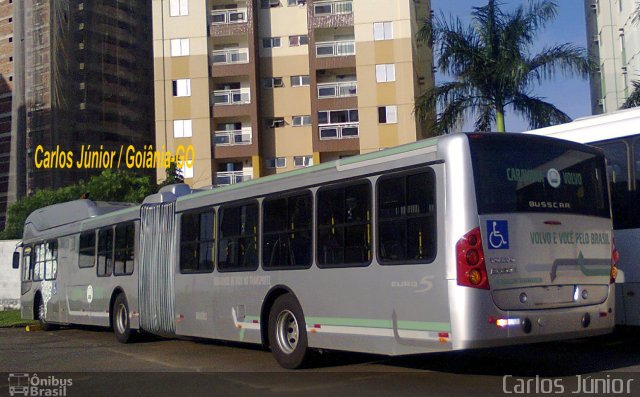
<point>600,102</point>
<point>595,38</point>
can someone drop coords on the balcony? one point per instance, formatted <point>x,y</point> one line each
<point>338,131</point>
<point>337,90</point>
<point>232,177</point>
<point>232,138</point>
<point>327,49</point>
<point>240,96</point>
<point>323,8</point>
<point>227,17</point>
<point>230,56</point>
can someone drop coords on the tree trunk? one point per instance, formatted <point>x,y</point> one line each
<point>500,119</point>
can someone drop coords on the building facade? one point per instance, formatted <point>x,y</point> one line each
<point>6,94</point>
<point>259,87</point>
<point>614,43</point>
<point>85,79</point>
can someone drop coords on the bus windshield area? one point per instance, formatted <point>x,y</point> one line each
<point>520,174</point>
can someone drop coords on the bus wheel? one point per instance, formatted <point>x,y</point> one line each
<point>44,325</point>
<point>287,333</point>
<point>120,319</point>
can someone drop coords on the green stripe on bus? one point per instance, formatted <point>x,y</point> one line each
<point>373,323</point>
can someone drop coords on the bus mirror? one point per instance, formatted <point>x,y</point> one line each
<point>16,260</point>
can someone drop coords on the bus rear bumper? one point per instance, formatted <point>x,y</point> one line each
<point>512,328</point>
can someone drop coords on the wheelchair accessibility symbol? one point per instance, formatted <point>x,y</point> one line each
<point>498,232</point>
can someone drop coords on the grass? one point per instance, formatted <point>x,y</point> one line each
<point>11,318</point>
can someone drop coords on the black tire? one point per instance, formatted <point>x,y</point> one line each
<point>288,333</point>
<point>120,320</point>
<point>44,324</point>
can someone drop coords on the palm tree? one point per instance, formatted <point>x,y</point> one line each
<point>493,69</point>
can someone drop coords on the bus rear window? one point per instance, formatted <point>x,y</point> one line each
<point>524,173</point>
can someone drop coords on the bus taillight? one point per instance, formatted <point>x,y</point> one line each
<point>615,256</point>
<point>472,271</point>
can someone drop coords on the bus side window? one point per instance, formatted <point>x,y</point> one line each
<point>406,218</point>
<point>38,267</point>
<point>51,260</point>
<point>105,252</point>
<point>123,253</point>
<point>618,173</point>
<point>344,225</point>
<point>238,238</point>
<point>87,250</point>
<point>286,242</point>
<point>27,264</point>
<point>197,241</point>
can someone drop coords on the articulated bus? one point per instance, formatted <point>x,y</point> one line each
<point>618,135</point>
<point>457,242</point>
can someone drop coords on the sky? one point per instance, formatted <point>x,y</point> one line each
<point>572,96</point>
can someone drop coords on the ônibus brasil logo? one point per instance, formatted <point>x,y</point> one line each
<point>24,384</point>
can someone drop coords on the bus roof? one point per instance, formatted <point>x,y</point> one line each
<point>596,128</point>
<point>73,211</point>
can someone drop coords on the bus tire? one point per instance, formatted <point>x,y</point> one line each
<point>287,333</point>
<point>42,321</point>
<point>120,320</point>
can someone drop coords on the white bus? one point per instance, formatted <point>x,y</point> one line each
<point>457,242</point>
<point>618,135</point>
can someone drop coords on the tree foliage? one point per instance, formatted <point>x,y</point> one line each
<point>108,186</point>
<point>493,68</point>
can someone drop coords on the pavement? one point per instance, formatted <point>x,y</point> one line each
<point>98,365</point>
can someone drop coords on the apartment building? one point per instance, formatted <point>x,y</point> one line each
<point>261,87</point>
<point>614,44</point>
<point>6,93</point>
<point>83,76</point>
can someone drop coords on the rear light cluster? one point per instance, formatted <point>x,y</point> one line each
<point>615,256</point>
<point>472,271</point>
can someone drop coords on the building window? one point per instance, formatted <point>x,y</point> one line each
<point>286,242</point>
<point>406,218</point>
<point>299,121</point>
<point>276,162</point>
<point>269,3</point>
<point>293,3</point>
<point>87,250</point>
<point>125,245</point>
<point>178,8</point>
<point>105,252</point>
<point>383,30</point>
<point>344,225</point>
<point>298,40</point>
<point>302,161</point>
<point>182,87</point>
<point>276,122</point>
<point>271,42</point>
<point>238,238</point>
<point>273,82</point>
<point>182,129</point>
<point>388,114</point>
<point>337,116</point>
<point>298,81</point>
<point>179,47</point>
<point>385,73</point>
<point>187,172</point>
<point>197,242</point>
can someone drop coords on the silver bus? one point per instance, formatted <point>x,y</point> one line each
<point>618,135</point>
<point>462,241</point>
